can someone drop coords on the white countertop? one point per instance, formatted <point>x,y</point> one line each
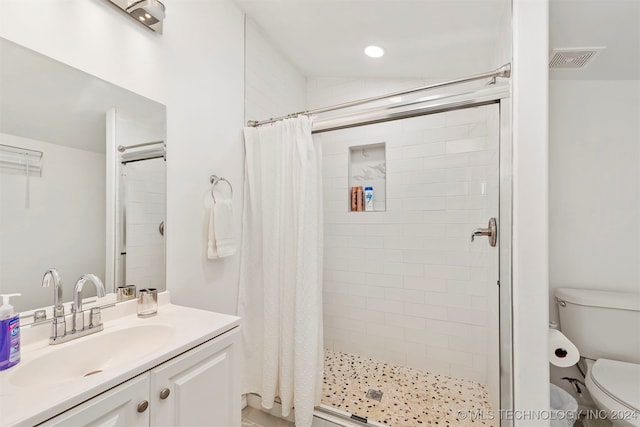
<point>30,405</point>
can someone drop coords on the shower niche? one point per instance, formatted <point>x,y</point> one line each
<point>367,173</point>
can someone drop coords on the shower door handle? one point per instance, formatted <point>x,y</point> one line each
<point>491,232</point>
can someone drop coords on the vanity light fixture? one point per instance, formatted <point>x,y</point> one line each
<point>373,51</point>
<point>149,12</point>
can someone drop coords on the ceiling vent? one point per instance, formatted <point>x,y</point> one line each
<point>573,58</point>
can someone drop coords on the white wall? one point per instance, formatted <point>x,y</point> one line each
<point>502,53</point>
<point>196,68</point>
<point>594,172</point>
<point>60,229</point>
<point>530,212</point>
<point>273,87</point>
<point>204,47</point>
<point>326,91</point>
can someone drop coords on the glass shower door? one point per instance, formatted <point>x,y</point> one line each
<point>406,291</point>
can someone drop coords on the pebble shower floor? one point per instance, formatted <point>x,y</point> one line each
<point>410,397</point>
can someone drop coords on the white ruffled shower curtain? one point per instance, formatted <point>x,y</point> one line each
<point>280,299</point>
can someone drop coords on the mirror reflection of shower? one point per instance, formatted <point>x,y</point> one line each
<point>140,223</point>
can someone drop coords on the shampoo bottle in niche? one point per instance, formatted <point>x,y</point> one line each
<point>368,199</point>
<point>9,334</point>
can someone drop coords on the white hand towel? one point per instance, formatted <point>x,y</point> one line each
<point>223,224</point>
<point>212,252</point>
<point>221,242</point>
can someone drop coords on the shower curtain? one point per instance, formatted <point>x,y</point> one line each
<point>280,298</point>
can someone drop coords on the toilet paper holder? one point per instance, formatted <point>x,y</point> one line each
<point>559,352</point>
<point>562,352</point>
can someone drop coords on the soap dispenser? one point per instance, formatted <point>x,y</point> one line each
<point>9,334</point>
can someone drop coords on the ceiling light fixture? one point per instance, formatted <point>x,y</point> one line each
<point>373,51</point>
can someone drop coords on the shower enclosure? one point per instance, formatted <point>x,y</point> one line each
<point>417,288</point>
<point>412,307</point>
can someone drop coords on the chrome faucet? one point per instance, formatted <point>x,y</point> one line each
<point>52,278</point>
<point>78,328</point>
<point>76,310</point>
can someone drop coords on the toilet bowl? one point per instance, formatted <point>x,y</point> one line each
<point>615,387</point>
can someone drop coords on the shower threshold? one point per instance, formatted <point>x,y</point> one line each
<point>342,418</point>
<point>407,397</point>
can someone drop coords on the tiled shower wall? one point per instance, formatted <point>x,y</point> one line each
<point>406,285</point>
<point>146,209</point>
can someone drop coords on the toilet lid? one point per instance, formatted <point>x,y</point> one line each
<point>619,380</point>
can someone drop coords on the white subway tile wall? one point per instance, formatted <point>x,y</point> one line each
<point>407,286</point>
<point>146,209</point>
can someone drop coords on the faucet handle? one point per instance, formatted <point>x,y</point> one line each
<point>58,328</point>
<point>95,317</point>
<point>77,318</point>
<point>58,310</point>
<point>39,316</point>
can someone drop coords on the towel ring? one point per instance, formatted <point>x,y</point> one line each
<point>214,179</point>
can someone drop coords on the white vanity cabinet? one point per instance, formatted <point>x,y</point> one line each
<point>200,387</point>
<point>117,407</point>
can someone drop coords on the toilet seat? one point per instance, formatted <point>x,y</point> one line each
<point>615,386</point>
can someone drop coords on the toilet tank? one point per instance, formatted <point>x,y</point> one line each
<point>602,324</point>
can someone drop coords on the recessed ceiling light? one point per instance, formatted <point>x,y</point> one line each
<point>374,51</point>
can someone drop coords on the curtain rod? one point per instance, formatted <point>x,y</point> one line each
<point>504,71</point>
<point>20,150</point>
<point>122,148</point>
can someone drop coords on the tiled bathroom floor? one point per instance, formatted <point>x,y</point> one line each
<point>410,397</point>
<point>252,417</point>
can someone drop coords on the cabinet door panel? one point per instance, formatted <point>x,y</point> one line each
<point>117,407</point>
<point>203,387</point>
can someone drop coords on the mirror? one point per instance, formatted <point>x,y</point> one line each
<point>68,198</point>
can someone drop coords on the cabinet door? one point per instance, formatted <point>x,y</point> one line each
<point>117,407</point>
<point>199,388</point>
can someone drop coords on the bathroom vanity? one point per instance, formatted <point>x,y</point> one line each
<point>180,367</point>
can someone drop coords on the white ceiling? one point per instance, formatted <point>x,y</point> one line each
<point>44,99</point>
<point>437,39</point>
<point>429,39</point>
<point>593,23</point>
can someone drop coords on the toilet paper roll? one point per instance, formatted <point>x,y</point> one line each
<point>562,352</point>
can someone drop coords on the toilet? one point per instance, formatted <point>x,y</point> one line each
<point>605,326</point>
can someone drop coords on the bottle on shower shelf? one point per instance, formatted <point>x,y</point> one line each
<point>354,199</point>
<point>368,199</point>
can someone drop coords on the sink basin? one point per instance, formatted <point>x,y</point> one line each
<point>92,355</point>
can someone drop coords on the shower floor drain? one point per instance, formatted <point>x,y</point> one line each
<point>374,395</point>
